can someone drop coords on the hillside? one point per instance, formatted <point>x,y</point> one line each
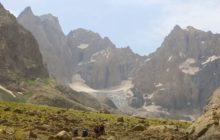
<point>206,127</point>
<point>20,57</point>
<point>26,121</point>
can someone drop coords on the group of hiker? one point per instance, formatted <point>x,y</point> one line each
<point>99,129</point>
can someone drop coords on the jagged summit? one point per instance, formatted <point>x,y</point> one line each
<point>27,12</point>
<point>80,35</point>
<point>81,32</point>
<point>177,28</point>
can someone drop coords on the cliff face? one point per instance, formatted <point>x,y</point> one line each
<point>207,126</point>
<point>82,52</point>
<point>98,61</point>
<point>52,41</point>
<point>182,73</point>
<point>20,57</point>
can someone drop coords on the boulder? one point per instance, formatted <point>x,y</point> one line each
<point>120,119</point>
<point>138,127</point>
<point>63,135</point>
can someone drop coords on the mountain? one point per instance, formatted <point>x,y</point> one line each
<point>23,76</point>
<point>98,61</point>
<point>207,126</point>
<point>84,60</point>
<point>175,81</point>
<point>182,74</point>
<point>52,41</point>
<point>20,57</point>
<point>66,56</point>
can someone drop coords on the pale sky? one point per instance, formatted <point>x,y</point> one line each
<point>140,24</point>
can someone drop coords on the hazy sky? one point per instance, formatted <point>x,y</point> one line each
<point>141,24</point>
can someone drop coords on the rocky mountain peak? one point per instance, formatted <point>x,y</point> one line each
<point>177,28</point>
<point>27,12</point>
<point>51,21</point>
<point>84,36</point>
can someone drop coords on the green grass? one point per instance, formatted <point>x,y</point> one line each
<point>22,122</point>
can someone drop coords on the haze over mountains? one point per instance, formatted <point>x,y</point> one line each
<point>170,81</point>
<point>175,81</point>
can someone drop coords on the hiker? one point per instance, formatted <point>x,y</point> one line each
<point>85,132</point>
<point>75,132</point>
<point>97,131</point>
<point>102,129</point>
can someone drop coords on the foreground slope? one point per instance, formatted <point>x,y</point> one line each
<point>207,126</point>
<point>26,121</point>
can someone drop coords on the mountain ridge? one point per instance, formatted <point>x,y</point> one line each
<point>168,82</point>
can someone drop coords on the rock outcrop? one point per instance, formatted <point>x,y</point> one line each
<point>51,39</point>
<point>20,57</point>
<point>207,126</point>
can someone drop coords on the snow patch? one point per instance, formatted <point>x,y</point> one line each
<point>187,68</point>
<point>162,89</point>
<point>202,42</point>
<point>168,70</point>
<point>147,60</point>
<point>105,53</point>
<point>92,60</point>
<point>83,46</point>
<point>211,59</point>
<point>158,85</point>
<point>170,58</point>
<point>155,108</point>
<point>148,96</point>
<point>7,91</point>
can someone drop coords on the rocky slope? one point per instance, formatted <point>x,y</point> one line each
<point>207,126</point>
<point>20,57</point>
<point>51,39</point>
<point>182,73</point>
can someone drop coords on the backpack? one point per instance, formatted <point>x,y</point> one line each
<point>85,132</point>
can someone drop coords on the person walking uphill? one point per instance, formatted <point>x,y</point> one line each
<point>85,132</point>
<point>99,130</point>
<point>75,132</point>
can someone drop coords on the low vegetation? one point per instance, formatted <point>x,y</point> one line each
<point>23,121</point>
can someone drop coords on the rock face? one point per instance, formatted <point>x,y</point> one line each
<point>207,126</point>
<point>20,57</point>
<point>82,52</point>
<point>182,73</point>
<point>51,39</point>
